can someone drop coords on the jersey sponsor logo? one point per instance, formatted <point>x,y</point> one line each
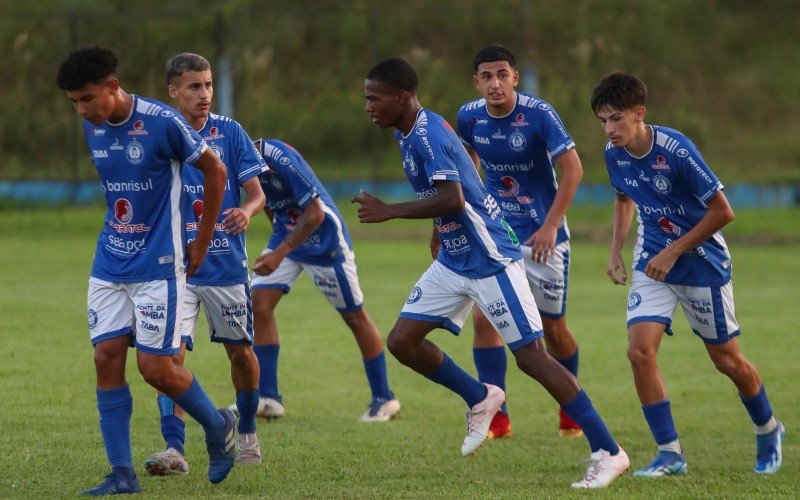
<point>481,140</point>
<point>97,131</point>
<point>138,128</point>
<point>134,152</point>
<point>507,167</point>
<point>478,121</point>
<point>700,170</point>
<point>130,186</point>
<point>517,141</point>
<point>218,150</point>
<point>428,148</point>
<point>285,160</point>
<point>457,244</point>
<point>421,131</point>
<point>276,183</point>
<point>412,166</point>
<point>213,133</point>
<point>623,163</point>
<point>663,210</point>
<point>662,184</point>
<point>499,135</point>
<point>116,146</point>
<point>167,113</point>
<point>92,318</point>
<point>414,296</point>
<point>682,153</point>
<point>194,188</point>
<point>166,259</point>
<point>544,106</point>
<point>427,193</point>
<point>519,121</point>
<point>669,227</point>
<point>123,210</point>
<point>197,209</point>
<point>511,187</point>
<point>643,177</point>
<point>447,228</point>
<point>661,163</point>
<point>99,153</point>
<point>631,182</point>
<point>634,299</point>
<point>491,206</point>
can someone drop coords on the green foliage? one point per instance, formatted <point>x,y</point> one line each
<point>720,71</point>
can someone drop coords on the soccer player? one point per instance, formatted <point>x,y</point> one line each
<point>517,138</point>
<point>478,262</point>
<point>309,235</point>
<point>680,258</point>
<point>221,283</point>
<point>137,281</point>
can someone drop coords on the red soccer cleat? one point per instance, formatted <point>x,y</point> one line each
<point>566,426</point>
<point>500,426</point>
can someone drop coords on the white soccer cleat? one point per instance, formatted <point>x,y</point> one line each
<point>166,462</point>
<point>267,408</point>
<point>603,468</point>
<point>479,418</point>
<point>249,449</point>
<point>381,410</point>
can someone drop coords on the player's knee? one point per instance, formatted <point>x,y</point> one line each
<point>640,355</point>
<point>398,343</point>
<point>241,356</point>
<point>105,360</point>
<point>155,374</point>
<point>729,365</point>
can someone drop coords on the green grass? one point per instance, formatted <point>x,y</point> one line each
<point>50,445</point>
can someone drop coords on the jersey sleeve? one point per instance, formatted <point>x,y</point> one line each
<point>694,171</point>
<point>463,127</point>
<point>182,142</point>
<point>434,151</point>
<point>249,162</point>
<point>302,188</point>
<point>553,132</point>
<point>608,155</point>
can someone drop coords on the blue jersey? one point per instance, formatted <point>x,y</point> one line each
<point>226,260</point>
<point>139,162</point>
<point>476,242</point>
<point>517,153</point>
<point>290,185</point>
<point>670,186</point>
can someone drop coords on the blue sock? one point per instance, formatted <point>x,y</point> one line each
<point>581,410</point>
<point>758,407</point>
<point>571,363</point>
<point>377,377</point>
<point>115,407</point>
<point>195,402</point>
<point>659,418</point>
<point>457,380</point>
<point>491,364</point>
<point>247,404</point>
<point>268,370</point>
<point>173,429</point>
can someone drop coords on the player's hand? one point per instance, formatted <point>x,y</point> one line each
<point>195,253</point>
<point>616,269</point>
<point>371,208</point>
<point>236,221</point>
<point>658,267</point>
<point>543,244</point>
<point>267,263</point>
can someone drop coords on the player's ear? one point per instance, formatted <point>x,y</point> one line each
<point>173,92</point>
<point>476,82</point>
<point>113,84</point>
<point>640,112</point>
<point>516,78</point>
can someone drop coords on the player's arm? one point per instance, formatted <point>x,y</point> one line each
<point>436,243</point>
<point>623,217</point>
<point>543,241</point>
<point>238,218</point>
<point>307,223</point>
<point>476,160</point>
<point>214,177</point>
<point>449,199</point>
<point>718,214</point>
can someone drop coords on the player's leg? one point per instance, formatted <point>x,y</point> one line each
<point>440,299</point>
<point>711,314</point>
<point>158,306</point>
<point>507,298</point>
<point>111,337</point>
<point>489,355</point>
<point>244,373</point>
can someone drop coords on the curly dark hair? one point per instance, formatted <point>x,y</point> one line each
<point>493,53</point>
<point>620,91</point>
<point>85,65</point>
<point>395,72</point>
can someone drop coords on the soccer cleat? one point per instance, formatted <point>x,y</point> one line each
<point>603,468</point>
<point>249,449</point>
<point>768,450</point>
<point>666,463</point>
<point>500,426</point>
<point>267,408</point>
<point>221,449</point>
<point>381,410</point>
<point>166,462</point>
<point>115,484</point>
<point>479,418</point>
<point>566,426</point>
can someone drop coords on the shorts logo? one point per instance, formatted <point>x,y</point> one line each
<point>517,141</point>
<point>497,308</point>
<point>123,211</point>
<point>634,299</point>
<point>415,295</point>
<point>134,152</point>
<point>92,319</point>
<point>662,184</point>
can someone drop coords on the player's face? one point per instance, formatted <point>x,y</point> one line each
<point>193,92</point>
<point>621,126</point>
<point>95,102</point>
<point>496,81</point>
<point>384,103</point>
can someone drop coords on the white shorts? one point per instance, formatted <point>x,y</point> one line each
<point>337,282</point>
<point>444,297</point>
<point>548,281</point>
<point>229,312</point>
<point>149,310</point>
<point>708,309</point>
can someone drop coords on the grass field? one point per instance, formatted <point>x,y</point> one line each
<point>50,445</point>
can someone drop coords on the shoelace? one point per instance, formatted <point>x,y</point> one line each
<point>473,420</point>
<point>375,406</point>
<point>592,470</point>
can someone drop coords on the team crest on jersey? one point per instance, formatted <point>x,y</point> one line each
<point>123,211</point>
<point>512,187</point>
<point>517,141</point>
<point>634,300</point>
<point>662,184</point>
<point>138,128</point>
<point>519,121</point>
<point>682,153</point>
<point>218,150</point>
<point>134,152</point>
<point>414,296</point>
<point>92,318</point>
<point>167,113</point>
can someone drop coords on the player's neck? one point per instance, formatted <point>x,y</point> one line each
<point>504,110</point>
<point>409,118</point>
<point>642,141</point>
<point>122,107</point>
<point>197,122</point>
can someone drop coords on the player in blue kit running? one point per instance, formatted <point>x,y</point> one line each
<point>517,138</point>
<point>221,284</point>
<point>137,281</point>
<point>478,262</point>
<point>309,235</point>
<point>680,258</point>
